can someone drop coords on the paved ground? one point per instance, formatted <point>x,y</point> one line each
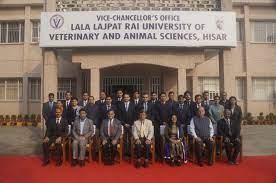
<point>258,140</point>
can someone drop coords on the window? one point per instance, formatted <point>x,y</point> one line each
<point>34,89</point>
<point>66,84</point>
<point>211,85</point>
<point>11,89</point>
<point>264,32</point>
<point>11,32</point>
<point>35,31</point>
<point>264,88</point>
<point>240,88</point>
<point>240,30</point>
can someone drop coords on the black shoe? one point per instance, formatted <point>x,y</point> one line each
<point>235,163</point>
<point>138,164</point>
<point>58,163</point>
<point>146,163</point>
<point>82,163</point>
<point>210,163</point>
<point>74,162</point>
<point>45,163</point>
<point>178,163</point>
<point>200,164</point>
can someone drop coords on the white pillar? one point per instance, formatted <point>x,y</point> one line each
<point>181,81</point>
<point>95,82</point>
<point>195,85</point>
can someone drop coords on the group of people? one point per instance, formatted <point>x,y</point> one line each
<point>147,119</point>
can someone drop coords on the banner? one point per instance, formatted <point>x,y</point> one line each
<point>138,28</point>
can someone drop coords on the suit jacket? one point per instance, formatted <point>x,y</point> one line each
<point>103,112</point>
<point>225,104</point>
<point>236,116</point>
<point>206,106</point>
<point>223,129</point>
<point>126,117</point>
<point>47,112</point>
<point>150,110</point>
<point>88,129</point>
<point>115,133</point>
<point>183,115</point>
<point>188,106</point>
<point>194,109</point>
<point>164,112</point>
<point>92,111</point>
<point>72,114</point>
<point>55,130</point>
<point>81,103</point>
<point>148,129</point>
<point>99,103</point>
<point>64,105</point>
<point>116,102</point>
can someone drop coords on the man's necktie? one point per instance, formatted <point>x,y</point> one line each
<point>126,106</point>
<point>145,107</point>
<point>51,105</point>
<point>142,129</point>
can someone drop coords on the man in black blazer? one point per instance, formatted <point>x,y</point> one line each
<point>92,111</point>
<point>172,103</point>
<point>105,108</point>
<point>84,100</point>
<point>230,131</point>
<point>196,105</point>
<point>147,106</point>
<point>183,114</point>
<point>127,115</point>
<point>206,103</point>
<point>153,97</point>
<point>101,101</point>
<point>188,103</point>
<point>49,109</point>
<point>119,97</point>
<point>110,133</point>
<point>224,101</point>
<point>67,103</point>
<point>57,130</point>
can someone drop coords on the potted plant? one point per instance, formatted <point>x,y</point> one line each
<point>19,119</point>
<point>7,119</point>
<point>1,120</point>
<point>26,120</point>
<point>13,120</point>
<point>249,118</point>
<point>38,120</point>
<point>33,120</point>
<point>261,118</point>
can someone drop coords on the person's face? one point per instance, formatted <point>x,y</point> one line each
<point>181,100</point>
<point>198,99</point>
<point>91,100</point>
<point>102,95</point>
<point>108,100</point>
<point>163,97</point>
<point>51,98</point>
<point>119,94</point>
<point>74,102</point>
<point>59,104</point>
<point>136,95</point>
<point>153,96</point>
<point>145,98</point>
<point>216,100</point>
<point>227,114</point>
<point>82,114</point>
<point>171,96</point>
<point>142,116</point>
<point>85,96</point>
<point>68,96</point>
<point>188,97</point>
<point>224,96</point>
<point>233,101</point>
<point>206,96</point>
<point>58,113</point>
<point>126,98</point>
<point>201,112</point>
<point>174,119</point>
<point>110,114</point>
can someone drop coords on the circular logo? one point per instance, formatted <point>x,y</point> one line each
<point>56,21</point>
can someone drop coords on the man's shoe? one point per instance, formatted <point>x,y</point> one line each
<point>210,163</point>
<point>58,163</point>
<point>178,163</point>
<point>146,163</point>
<point>82,163</point>
<point>74,162</point>
<point>138,163</point>
<point>235,163</point>
<point>45,163</point>
<point>200,164</point>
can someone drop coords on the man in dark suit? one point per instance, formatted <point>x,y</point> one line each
<point>67,102</point>
<point>224,101</point>
<point>105,108</point>
<point>165,109</point>
<point>148,107</point>
<point>101,101</point>
<point>92,111</point>
<point>84,100</point>
<point>172,102</point>
<point>110,133</point>
<point>196,105</point>
<point>49,109</point>
<point>127,115</point>
<point>188,103</point>
<point>230,132</point>
<point>206,103</point>
<point>153,97</point>
<point>136,98</point>
<point>57,130</point>
<point>183,114</point>
<point>236,112</point>
<point>119,97</point>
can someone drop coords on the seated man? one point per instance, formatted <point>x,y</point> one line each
<point>201,129</point>
<point>57,129</point>
<point>110,133</point>
<point>143,134</point>
<point>231,136</point>
<point>82,130</point>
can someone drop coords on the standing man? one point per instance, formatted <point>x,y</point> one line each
<point>206,103</point>
<point>84,100</point>
<point>107,107</point>
<point>119,97</point>
<point>67,103</point>
<point>56,131</point>
<point>137,102</point>
<point>188,104</point>
<point>216,113</point>
<point>127,114</point>
<point>92,111</point>
<point>196,105</point>
<point>49,109</point>
<point>73,111</point>
<point>148,107</point>
<point>153,98</point>
<point>101,101</point>
<point>183,114</point>
<point>224,101</point>
<point>82,130</point>
<point>142,133</point>
<point>201,129</point>
<point>231,137</point>
<point>110,133</point>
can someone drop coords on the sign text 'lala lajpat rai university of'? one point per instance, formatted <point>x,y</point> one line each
<point>138,28</point>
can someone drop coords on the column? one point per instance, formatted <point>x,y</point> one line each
<point>226,72</point>
<point>50,74</point>
<point>25,96</point>
<point>181,81</point>
<point>195,85</point>
<point>95,82</point>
